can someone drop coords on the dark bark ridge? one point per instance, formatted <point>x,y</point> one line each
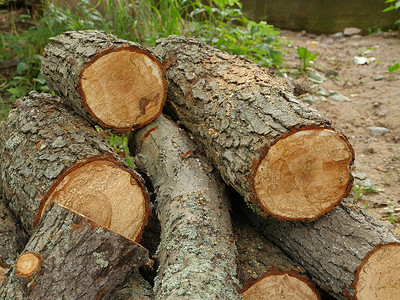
<point>197,252</point>
<point>78,260</point>
<point>237,112</point>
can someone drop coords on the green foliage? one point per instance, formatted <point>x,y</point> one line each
<point>224,26</point>
<point>119,143</point>
<point>392,218</point>
<point>364,187</point>
<point>395,5</point>
<point>306,58</point>
<point>392,68</point>
<point>220,23</point>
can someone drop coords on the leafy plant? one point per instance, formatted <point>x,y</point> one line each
<point>219,22</point>
<point>222,24</point>
<point>392,218</point>
<point>306,58</point>
<point>395,4</point>
<point>119,143</point>
<point>392,68</point>
<point>364,187</point>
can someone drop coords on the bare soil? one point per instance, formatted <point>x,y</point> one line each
<point>375,102</point>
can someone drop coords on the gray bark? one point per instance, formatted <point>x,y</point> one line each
<point>257,255</point>
<point>137,288</point>
<point>12,237</point>
<point>65,58</point>
<point>197,253</point>
<point>331,248</point>
<point>235,109</point>
<point>79,260</point>
<point>41,140</point>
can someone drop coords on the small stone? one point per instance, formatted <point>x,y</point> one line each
<point>334,95</point>
<point>350,31</point>
<point>359,175</point>
<point>378,130</point>
<point>338,35</point>
<point>331,73</point>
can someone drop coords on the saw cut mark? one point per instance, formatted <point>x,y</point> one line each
<point>123,88</point>
<point>304,175</point>
<point>379,276</point>
<point>27,264</point>
<point>106,194</point>
<point>280,287</point>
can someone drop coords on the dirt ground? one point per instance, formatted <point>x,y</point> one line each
<point>374,97</point>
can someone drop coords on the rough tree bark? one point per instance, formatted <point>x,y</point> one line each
<point>71,257</point>
<point>50,154</point>
<point>265,272</point>
<point>113,82</point>
<point>137,288</point>
<point>274,150</point>
<point>12,238</point>
<point>346,252</point>
<point>197,252</point>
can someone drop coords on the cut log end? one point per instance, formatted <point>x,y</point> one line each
<point>379,276</point>
<point>123,88</point>
<point>105,193</point>
<point>27,264</point>
<point>304,175</point>
<point>280,286</point>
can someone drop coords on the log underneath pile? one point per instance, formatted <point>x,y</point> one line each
<point>275,151</point>
<point>71,257</point>
<point>265,272</point>
<point>347,253</point>
<point>49,154</point>
<point>113,82</point>
<point>197,252</point>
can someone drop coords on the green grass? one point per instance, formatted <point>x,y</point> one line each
<point>220,23</point>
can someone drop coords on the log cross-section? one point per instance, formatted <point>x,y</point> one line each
<point>71,257</point>
<point>52,155</point>
<point>277,152</point>
<point>346,252</point>
<point>113,82</point>
<point>280,287</point>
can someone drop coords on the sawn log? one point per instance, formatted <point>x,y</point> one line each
<point>50,154</point>
<point>70,257</point>
<point>280,154</point>
<point>197,252</point>
<point>112,82</point>
<point>346,252</point>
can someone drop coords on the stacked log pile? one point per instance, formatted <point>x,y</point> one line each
<point>74,212</point>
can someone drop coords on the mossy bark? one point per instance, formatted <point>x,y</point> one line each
<point>41,142</point>
<point>78,260</point>
<point>237,112</point>
<point>197,252</point>
<point>137,288</point>
<point>331,249</point>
